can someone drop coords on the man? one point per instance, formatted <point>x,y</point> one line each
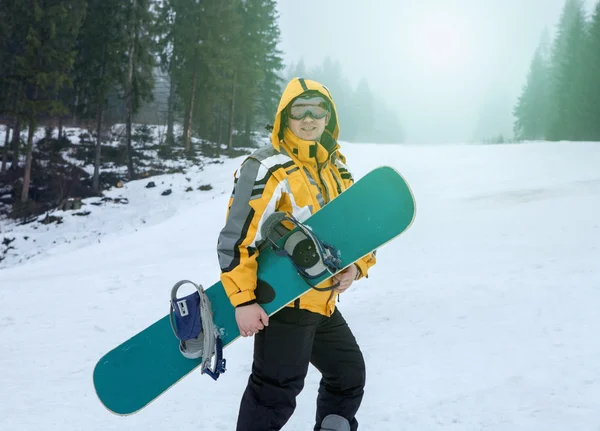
<point>300,172</point>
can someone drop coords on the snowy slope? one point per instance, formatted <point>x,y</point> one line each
<point>483,316</point>
<point>121,210</point>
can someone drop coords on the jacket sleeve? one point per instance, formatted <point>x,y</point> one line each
<point>255,196</point>
<point>370,259</point>
<point>365,263</point>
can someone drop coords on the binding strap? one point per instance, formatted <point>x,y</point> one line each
<point>309,255</point>
<point>192,323</point>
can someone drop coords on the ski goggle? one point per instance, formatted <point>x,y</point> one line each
<point>316,107</point>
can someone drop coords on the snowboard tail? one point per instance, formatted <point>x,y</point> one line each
<point>376,209</point>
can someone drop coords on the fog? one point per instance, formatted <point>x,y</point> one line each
<point>453,70</point>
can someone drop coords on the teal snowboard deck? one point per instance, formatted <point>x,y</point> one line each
<point>375,210</point>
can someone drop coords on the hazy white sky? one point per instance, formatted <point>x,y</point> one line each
<point>450,67</point>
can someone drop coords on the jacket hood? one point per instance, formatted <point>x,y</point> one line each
<point>295,88</point>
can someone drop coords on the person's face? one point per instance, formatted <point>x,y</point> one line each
<point>308,128</point>
<point>302,121</point>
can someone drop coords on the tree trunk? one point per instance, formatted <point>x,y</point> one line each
<point>5,150</point>
<point>16,143</point>
<point>248,131</point>
<point>96,178</point>
<point>16,138</point>
<point>188,132</point>
<point>231,114</point>
<point>129,91</point>
<point>60,127</point>
<point>99,119</point>
<point>27,176</point>
<point>186,122</point>
<point>76,109</point>
<point>171,113</point>
<point>220,136</point>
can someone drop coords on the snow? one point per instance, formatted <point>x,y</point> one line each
<point>482,316</point>
<point>128,210</point>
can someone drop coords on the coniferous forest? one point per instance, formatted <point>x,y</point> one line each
<point>94,63</point>
<point>209,74</point>
<point>561,97</point>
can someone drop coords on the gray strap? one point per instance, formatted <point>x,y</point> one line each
<point>209,330</point>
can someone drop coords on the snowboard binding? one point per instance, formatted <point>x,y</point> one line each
<point>192,323</point>
<point>310,256</point>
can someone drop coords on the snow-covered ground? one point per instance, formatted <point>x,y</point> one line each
<point>483,316</point>
<point>119,212</point>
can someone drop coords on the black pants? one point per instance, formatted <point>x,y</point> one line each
<point>282,353</point>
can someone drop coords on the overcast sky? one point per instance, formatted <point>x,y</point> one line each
<point>448,66</point>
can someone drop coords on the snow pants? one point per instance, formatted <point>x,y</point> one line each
<point>282,353</point>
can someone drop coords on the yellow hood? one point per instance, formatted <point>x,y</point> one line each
<point>295,88</point>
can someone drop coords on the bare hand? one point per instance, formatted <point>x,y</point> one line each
<point>251,319</point>
<point>345,278</point>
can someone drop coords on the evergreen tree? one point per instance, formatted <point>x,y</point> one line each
<point>271,63</point>
<point>139,81</point>
<point>178,47</point>
<point>387,128</point>
<point>165,30</point>
<point>9,40</point>
<point>591,69</point>
<point>223,65</point>
<point>364,116</point>
<point>220,64</point>
<point>13,33</point>
<point>565,65</point>
<point>295,70</point>
<point>531,110</point>
<point>575,69</point>
<point>257,67</point>
<point>101,48</point>
<point>200,39</point>
<point>330,74</point>
<point>45,62</point>
<point>361,114</point>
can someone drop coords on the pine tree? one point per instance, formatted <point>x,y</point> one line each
<point>8,44</point>
<point>565,66</point>
<point>272,63</point>
<point>330,74</point>
<point>221,71</point>
<point>387,128</point>
<point>44,65</point>
<point>591,96</point>
<point>165,29</point>
<point>101,48</point>
<point>575,69</point>
<point>257,68</point>
<point>187,41</point>
<point>531,110</point>
<point>13,33</point>
<point>223,65</point>
<point>139,81</point>
<point>295,70</point>
<point>362,113</point>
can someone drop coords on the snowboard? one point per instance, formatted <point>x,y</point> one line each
<point>373,211</point>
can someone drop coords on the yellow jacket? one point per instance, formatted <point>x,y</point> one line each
<point>291,175</point>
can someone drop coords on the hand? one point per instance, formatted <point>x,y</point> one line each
<point>251,319</point>
<point>345,278</point>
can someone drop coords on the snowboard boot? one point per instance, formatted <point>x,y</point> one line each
<point>335,423</point>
